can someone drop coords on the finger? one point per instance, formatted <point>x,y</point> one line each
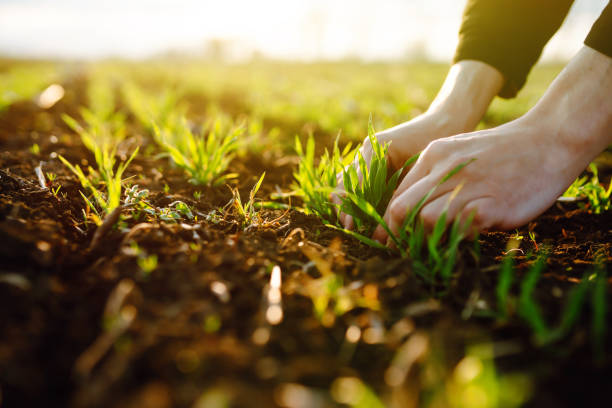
<point>481,214</point>
<point>451,202</point>
<point>426,189</point>
<point>405,201</point>
<point>418,171</point>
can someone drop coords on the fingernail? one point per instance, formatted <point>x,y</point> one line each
<point>349,222</point>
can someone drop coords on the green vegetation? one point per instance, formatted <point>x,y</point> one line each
<point>368,193</point>
<point>207,121</point>
<point>106,175</point>
<point>246,212</point>
<point>24,82</point>
<point>599,198</point>
<point>204,158</point>
<point>528,309</point>
<point>315,183</point>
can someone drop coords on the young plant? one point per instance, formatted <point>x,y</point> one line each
<point>314,183</point>
<point>366,197</point>
<point>433,255</point>
<point>246,212</point>
<point>109,199</point>
<point>593,282</point>
<point>375,186</point>
<point>528,308</point>
<point>599,198</point>
<point>205,157</point>
<point>137,200</point>
<point>104,131</point>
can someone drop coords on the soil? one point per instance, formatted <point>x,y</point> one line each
<point>85,326</point>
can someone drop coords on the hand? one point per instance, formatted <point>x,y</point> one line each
<point>520,168</point>
<point>462,101</point>
<point>404,141</point>
<point>518,172</point>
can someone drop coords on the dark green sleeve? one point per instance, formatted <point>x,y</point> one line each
<point>509,35</point>
<point>600,36</point>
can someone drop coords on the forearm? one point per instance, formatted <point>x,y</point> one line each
<point>466,94</point>
<point>463,99</point>
<point>577,108</point>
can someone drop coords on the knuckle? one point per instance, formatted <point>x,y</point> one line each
<point>434,148</point>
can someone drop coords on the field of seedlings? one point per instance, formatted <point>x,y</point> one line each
<point>167,240</point>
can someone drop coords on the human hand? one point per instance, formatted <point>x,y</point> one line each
<point>405,141</point>
<point>520,168</point>
<point>515,172</point>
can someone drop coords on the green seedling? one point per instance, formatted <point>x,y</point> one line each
<point>533,241</point>
<point>528,308</point>
<point>314,183</point>
<point>35,149</point>
<point>517,236</point>
<point>432,256</point>
<point>56,190</point>
<point>504,284</point>
<point>246,212</point>
<point>366,196</point>
<point>593,282</point>
<point>372,185</point>
<point>137,200</point>
<point>598,197</point>
<point>205,157</point>
<point>599,305</point>
<point>110,199</point>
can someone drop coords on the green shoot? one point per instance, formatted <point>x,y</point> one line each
<point>599,198</point>
<point>375,186</point>
<point>528,309</point>
<point>314,183</point>
<point>111,178</point>
<point>56,190</point>
<point>571,312</point>
<point>366,197</point>
<point>204,158</point>
<point>246,212</point>
<point>599,305</point>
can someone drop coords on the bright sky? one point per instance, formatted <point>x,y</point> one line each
<point>295,29</point>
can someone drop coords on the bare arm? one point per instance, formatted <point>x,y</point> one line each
<point>521,167</point>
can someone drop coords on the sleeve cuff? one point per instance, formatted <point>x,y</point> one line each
<point>600,36</point>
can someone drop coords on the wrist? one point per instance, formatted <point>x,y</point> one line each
<point>576,110</point>
<point>466,94</point>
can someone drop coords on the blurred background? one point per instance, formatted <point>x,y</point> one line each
<point>239,30</point>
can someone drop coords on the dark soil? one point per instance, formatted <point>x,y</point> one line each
<point>86,327</point>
